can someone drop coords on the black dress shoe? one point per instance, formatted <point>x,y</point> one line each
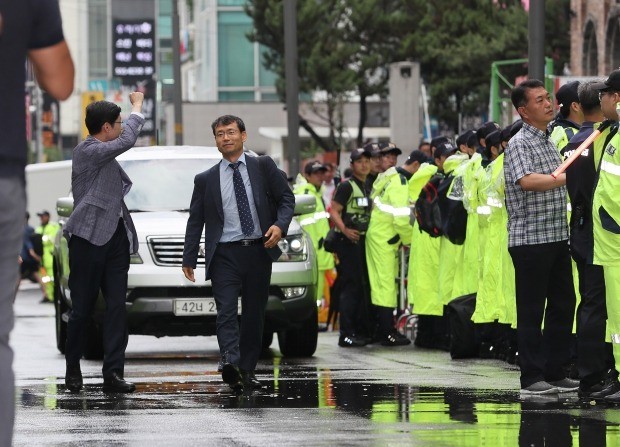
<point>115,383</point>
<point>73,378</point>
<point>232,376</point>
<point>600,390</point>
<point>250,380</point>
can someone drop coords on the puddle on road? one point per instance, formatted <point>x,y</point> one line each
<point>473,417</point>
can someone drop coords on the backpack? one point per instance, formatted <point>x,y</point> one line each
<point>452,210</point>
<point>427,212</point>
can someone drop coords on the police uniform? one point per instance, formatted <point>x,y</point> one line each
<point>354,299</point>
<point>316,225</point>
<point>389,228</point>
<point>606,223</point>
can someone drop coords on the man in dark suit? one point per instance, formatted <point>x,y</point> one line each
<point>101,238</point>
<point>234,202</point>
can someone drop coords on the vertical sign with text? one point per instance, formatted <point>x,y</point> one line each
<point>133,63</point>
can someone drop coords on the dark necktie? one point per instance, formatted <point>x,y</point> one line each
<point>243,206</point>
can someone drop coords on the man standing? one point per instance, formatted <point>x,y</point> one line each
<point>593,359</point>
<point>389,228</point>
<point>350,213</point>
<point>101,238</point>
<point>233,202</point>
<point>606,214</point>
<point>32,29</point>
<point>316,224</point>
<point>538,245</point>
<point>47,230</point>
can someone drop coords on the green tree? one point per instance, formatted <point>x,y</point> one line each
<point>456,42</point>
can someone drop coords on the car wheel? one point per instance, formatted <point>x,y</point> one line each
<point>94,342</point>
<point>60,308</point>
<point>300,341</point>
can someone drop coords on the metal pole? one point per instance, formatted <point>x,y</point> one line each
<point>39,123</point>
<point>176,62</point>
<point>536,48</point>
<point>292,84</point>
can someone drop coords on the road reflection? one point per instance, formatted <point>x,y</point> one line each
<point>465,417</point>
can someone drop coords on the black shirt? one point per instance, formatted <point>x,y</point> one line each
<point>404,172</point>
<point>580,177</point>
<point>26,25</point>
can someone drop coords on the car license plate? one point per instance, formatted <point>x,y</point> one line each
<point>197,306</point>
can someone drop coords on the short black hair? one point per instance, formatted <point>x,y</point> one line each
<point>100,112</point>
<point>519,93</point>
<point>588,97</point>
<point>225,120</point>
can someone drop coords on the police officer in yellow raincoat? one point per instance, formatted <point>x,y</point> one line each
<point>606,214</point>
<point>316,224</point>
<point>47,230</point>
<point>389,228</point>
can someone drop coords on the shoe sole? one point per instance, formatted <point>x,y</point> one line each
<point>567,390</point>
<point>539,393</point>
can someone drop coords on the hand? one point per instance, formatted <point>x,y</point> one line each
<point>189,273</point>
<point>136,98</point>
<point>273,235</point>
<point>352,235</point>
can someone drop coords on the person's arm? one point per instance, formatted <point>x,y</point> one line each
<point>54,70</point>
<point>541,182</point>
<point>336,215</point>
<point>285,200</point>
<point>195,225</point>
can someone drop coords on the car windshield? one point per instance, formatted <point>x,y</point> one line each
<point>164,184</point>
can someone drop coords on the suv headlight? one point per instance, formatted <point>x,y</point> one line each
<point>294,248</point>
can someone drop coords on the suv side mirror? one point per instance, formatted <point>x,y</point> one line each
<point>64,206</point>
<point>304,204</point>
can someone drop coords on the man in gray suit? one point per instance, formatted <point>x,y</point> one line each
<point>101,237</point>
<point>244,205</point>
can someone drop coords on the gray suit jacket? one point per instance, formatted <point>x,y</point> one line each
<point>99,184</point>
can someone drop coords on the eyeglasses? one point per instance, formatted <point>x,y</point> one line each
<point>119,122</point>
<point>229,133</point>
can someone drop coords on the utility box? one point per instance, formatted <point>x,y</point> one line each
<point>405,119</point>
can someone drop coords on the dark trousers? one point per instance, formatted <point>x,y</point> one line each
<point>593,355</point>
<point>95,268</point>
<point>544,286</point>
<point>354,305</point>
<point>244,271</point>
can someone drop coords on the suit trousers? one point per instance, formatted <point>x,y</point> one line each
<point>95,268</point>
<point>12,212</point>
<point>544,287</point>
<point>245,271</point>
<point>594,355</point>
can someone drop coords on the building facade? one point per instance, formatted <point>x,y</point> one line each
<point>595,37</point>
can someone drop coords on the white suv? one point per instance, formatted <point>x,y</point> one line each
<point>160,301</point>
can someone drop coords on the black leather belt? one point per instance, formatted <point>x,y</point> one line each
<point>244,242</point>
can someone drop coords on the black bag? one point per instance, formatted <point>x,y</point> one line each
<point>329,242</point>
<point>427,211</point>
<point>464,338</point>
<point>452,211</point>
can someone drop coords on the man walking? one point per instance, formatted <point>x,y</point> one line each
<point>234,203</point>
<point>538,245</point>
<point>101,238</point>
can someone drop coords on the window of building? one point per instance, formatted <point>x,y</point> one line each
<point>590,51</point>
<point>98,39</point>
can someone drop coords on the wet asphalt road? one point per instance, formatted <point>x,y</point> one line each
<point>368,396</point>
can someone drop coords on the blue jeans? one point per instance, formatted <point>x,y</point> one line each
<point>12,215</point>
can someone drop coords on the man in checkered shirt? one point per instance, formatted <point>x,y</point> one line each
<point>538,245</point>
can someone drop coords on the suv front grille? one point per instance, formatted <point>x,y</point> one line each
<point>168,251</point>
